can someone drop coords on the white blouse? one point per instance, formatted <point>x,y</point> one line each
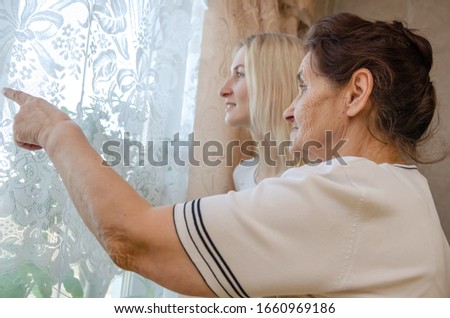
<point>244,175</point>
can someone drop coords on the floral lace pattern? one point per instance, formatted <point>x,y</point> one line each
<point>117,68</point>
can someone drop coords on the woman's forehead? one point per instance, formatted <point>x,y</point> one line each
<point>239,58</point>
<point>305,67</point>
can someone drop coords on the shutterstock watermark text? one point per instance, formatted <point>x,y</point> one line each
<point>213,153</point>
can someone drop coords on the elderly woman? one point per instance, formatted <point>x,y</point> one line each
<point>359,220</point>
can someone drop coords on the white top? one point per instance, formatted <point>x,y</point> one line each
<point>244,174</point>
<point>333,230</point>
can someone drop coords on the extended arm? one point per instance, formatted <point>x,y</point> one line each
<point>137,236</point>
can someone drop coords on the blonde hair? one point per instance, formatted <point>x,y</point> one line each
<point>271,65</point>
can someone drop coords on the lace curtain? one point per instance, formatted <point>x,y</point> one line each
<point>126,71</point>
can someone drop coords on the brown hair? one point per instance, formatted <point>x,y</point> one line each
<point>400,63</point>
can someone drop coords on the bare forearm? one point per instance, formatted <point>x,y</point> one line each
<point>100,195</point>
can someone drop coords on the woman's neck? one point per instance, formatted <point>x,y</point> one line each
<point>366,145</point>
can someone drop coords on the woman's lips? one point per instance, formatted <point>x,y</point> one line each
<point>229,106</point>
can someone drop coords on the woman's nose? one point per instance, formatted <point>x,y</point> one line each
<point>289,112</point>
<point>225,90</point>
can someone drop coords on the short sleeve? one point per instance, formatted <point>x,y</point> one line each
<point>287,236</point>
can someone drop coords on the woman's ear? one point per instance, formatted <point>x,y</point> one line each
<point>359,89</point>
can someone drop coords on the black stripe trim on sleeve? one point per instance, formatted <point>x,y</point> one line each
<point>198,250</point>
<point>181,242</point>
<point>408,167</point>
<point>230,277</point>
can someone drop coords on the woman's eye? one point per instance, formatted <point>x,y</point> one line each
<point>302,88</point>
<point>240,74</point>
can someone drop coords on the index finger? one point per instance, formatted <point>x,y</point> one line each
<point>18,96</point>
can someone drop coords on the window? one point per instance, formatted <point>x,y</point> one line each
<point>124,70</point>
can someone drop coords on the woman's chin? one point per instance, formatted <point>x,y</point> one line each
<point>296,143</point>
<point>236,122</point>
<point>229,121</point>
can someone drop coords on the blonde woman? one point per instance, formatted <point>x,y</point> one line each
<point>261,85</point>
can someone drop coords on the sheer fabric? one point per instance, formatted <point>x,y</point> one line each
<point>126,71</point>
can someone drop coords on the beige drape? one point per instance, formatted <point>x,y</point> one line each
<point>226,22</point>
